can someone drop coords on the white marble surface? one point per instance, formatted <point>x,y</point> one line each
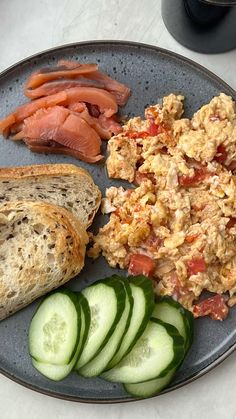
<point>29,26</point>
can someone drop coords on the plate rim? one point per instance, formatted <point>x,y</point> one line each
<point>136,44</point>
<point>77,399</point>
<point>203,70</point>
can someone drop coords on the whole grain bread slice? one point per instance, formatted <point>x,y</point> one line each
<point>42,246</point>
<point>65,185</point>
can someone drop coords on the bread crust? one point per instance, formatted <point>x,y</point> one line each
<point>34,274</point>
<point>47,170</point>
<point>20,172</point>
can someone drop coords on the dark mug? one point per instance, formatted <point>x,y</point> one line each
<point>207,26</point>
<point>220,2</point>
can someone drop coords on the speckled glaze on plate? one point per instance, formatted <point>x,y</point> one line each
<point>151,73</point>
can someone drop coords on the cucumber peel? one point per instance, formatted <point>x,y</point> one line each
<point>97,365</point>
<point>106,299</point>
<point>149,388</point>
<point>143,296</point>
<point>55,329</point>
<point>157,351</point>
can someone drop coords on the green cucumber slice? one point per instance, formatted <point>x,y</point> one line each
<point>106,299</point>
<point>54,372</point>
<point>143,296</point>
<point>85,321</point>
<point>55,329</point>
<point>98,364</point>
<point>149,388</point>
<point>170,311</point>
<point>129,298</point>
<point>59,372</point>
<point>157,351</point>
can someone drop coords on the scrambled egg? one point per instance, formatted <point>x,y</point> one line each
<point>182,212</point>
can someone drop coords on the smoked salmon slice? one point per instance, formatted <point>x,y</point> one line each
<point>69,64</point>
<point>77,134</point>
<point>77,107</point>
<point>52,73</point>
<point>28,109</point>
<point>60,125</point>
<point>104,126</point>
<point>73,106</point>
<point>6,123</point>
<point>43,124</point>
<point>110,125</point>
<point>103,99</point>
<point>55,86</point>
<point>55,148</point>
<point>119,90</point>
<point>94,123</point>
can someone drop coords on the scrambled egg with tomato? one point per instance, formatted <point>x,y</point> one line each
<point>177,221</point>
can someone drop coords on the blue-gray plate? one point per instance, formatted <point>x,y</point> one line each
<point>151,73</point>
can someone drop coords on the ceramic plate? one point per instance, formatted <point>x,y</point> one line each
<point>151,73</point>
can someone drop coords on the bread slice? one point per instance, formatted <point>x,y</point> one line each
<point>42,246</point>
<point>65,185</point>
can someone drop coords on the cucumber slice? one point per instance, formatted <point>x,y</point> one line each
<point>143,296</point>
<point>149,388</point>
<point>106,299</point>
<point>98,364</point>
<point>55,329</point>
<point>85,322</point>
<point>54,372</point>
<point>59,372</point>
<point>170,311</point>
<point>130,300</point>
<point>158,351</point>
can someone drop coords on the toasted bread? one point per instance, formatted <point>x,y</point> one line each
<point>65,185</point>
<point>42,246</point>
